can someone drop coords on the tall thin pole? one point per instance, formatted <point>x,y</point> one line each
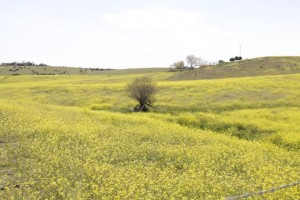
<point>240,50</point>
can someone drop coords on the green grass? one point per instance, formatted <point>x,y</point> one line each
<point>49,70</point>
<point>244,68</point>
<point>184,98</point>
<point>76,137</point>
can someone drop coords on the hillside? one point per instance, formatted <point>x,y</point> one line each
<point>244,68</point>
<point>75,137</point>
<point>49,70</point>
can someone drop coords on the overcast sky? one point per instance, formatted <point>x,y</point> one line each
<point>152,33</point>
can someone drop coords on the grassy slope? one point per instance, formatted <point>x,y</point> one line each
<point>245,68</point>
<point>48,70</point>
<point>73,137</point>
<point>203,104</point>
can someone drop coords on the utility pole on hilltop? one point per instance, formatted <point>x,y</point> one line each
<point>240,50</point>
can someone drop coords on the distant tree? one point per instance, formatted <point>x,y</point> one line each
<point>192,60</point>
<point>221,61</point>
<point>240,58</point>
<point>201,62</point>
<point>143,90</point>
<point>231,59</point>
<point>178,65</point>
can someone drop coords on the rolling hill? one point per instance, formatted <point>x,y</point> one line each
<point>77,137</point>
<point>50,70</point>
<point>244,68</point>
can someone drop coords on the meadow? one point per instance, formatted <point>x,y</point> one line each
<point>76,137</point>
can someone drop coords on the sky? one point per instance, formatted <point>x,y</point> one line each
<point>154,33</point>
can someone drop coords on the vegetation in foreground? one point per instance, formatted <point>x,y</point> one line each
<point>68,137</point>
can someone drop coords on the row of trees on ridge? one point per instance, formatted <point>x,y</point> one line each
<point>191,61</point>
<point>235,58</point>
<point>22,64</point>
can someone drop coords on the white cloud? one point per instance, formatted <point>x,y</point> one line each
<point>169,34</point>
<point>153,19</point>
<point>148,36</point>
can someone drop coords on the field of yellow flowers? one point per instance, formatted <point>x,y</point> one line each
<point>75,137</point>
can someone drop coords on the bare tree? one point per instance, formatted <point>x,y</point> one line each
<point>192,60</point>
<point>201,62</point>
<point>142,89</point>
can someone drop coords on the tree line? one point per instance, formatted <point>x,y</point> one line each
<point>191,61</point>
<point>235,58</point>
<point>22,64</point>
